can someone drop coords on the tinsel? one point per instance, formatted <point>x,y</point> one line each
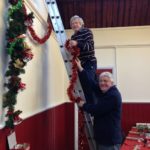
<point>75,52</point>
<point>35,37</point>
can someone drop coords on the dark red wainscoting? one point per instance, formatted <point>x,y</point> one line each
<point>133,113</point>
<point>54,129</point>
<point>50,130</point>
<point>3,144</point>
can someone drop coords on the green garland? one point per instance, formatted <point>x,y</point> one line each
<point>20,53</point>
<point>17,6</point>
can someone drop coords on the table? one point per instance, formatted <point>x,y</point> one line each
<point>135,141</point>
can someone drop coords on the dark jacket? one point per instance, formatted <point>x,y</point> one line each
<point>106,112</point>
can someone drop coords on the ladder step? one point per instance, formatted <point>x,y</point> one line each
<point>59,32</point>
<point>53,17</point>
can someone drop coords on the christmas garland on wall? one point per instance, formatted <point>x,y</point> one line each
<point>29,23</point>
<point>20,54</point>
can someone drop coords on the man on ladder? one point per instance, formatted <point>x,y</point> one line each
<point>83,39</point>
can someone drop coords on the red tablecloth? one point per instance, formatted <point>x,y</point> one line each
<point>130,144</point>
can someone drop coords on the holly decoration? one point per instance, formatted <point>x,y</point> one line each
<point>20,54</point>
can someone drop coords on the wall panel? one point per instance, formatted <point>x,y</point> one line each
<point>133,73</point>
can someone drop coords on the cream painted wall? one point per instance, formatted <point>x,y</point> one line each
<point>133,72</point>
<point>127,51</point>
<point>113,37</point>
<point>44,75</point>
<point>108,60</point>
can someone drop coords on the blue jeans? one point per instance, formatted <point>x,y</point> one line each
<point>111,147</point>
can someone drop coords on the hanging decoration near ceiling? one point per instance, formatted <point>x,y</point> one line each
<point>29,24</point>
<point>20,54</point>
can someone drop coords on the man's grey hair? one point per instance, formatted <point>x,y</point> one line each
<point>108,75</point>
<point>76,17</point>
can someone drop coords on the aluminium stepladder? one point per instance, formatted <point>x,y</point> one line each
<point>61,38</point>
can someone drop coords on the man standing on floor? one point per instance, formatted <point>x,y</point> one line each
<point>106,112</point>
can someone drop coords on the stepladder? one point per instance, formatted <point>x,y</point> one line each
<point>66,56</point>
